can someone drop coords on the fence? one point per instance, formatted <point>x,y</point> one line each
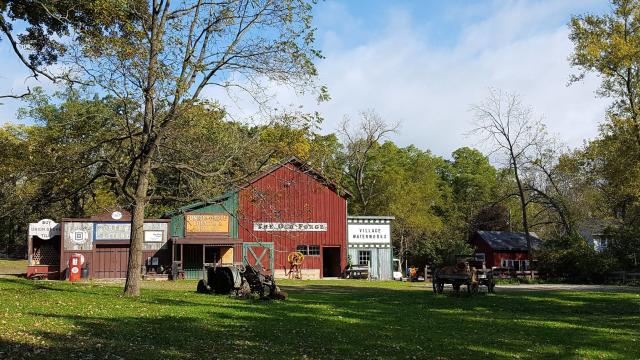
<point>623,276</point>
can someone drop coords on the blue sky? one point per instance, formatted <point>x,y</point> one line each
<point>424,63</point>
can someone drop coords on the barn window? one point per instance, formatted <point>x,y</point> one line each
<point>314,250</point>
<point>364,257</point>
<point>302,249</point>
<point>480,257</point>
<point>309,250</point>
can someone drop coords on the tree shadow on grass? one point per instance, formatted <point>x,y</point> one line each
<point>342,322</point>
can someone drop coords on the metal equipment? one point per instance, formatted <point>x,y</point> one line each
<point>241,280</point>
<point>295,259</point>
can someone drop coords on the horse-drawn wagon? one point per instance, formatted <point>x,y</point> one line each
<point>467,272</point>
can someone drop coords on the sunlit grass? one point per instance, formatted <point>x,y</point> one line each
<point>321,319</point>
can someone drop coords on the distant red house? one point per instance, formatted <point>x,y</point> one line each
<point>504,249</point>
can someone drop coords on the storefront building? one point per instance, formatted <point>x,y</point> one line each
<point>288,208</point>
<point>103,241</point>
<point>369,244</point>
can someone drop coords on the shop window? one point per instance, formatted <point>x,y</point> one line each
<point>364,257</point>
<point>314,250</point>
<point>517,265</point>
<point>302,249</point>
<point>309,250</point>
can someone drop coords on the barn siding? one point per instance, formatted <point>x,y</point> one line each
<point>381,261</point>
<point>288,194</point>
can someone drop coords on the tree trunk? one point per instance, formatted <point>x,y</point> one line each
<point>401,252</point>
<point>132,285</point>
<point>523,206</point>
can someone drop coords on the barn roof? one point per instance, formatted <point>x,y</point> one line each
<point>307,169</point>
<point>199,204</point>
<point>293,160</point>
<point>509,241</point>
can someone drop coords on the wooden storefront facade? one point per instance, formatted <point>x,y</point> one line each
<point>103,241</point>
<point>288,208</point>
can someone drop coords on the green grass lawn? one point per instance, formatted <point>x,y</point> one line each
<point>321,319</point>
<point>12,266</point>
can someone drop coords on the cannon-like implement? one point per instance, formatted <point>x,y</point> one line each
<point>240,280</point>
<point>468,272</point>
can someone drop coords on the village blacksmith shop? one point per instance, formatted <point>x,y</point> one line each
<point>288,208</point>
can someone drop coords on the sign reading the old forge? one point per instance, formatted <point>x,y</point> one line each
<point>273,226</point>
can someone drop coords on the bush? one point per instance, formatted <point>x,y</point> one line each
<point>572,259</point>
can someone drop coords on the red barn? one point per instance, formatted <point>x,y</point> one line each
<point>504,249</point>
<point>290,207</point>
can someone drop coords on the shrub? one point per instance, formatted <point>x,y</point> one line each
<point>572,259</point>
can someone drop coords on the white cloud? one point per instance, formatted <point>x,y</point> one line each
<point>430,89</point>
<point>399,70</point>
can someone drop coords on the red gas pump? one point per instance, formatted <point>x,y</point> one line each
<point>75,265</point>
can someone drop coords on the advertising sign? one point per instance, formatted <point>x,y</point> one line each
<point>153,236</point>
<point>108,231</point>
<point>369,233</point>
<point>207,223</point>
<point>45,229</point>
<point>274,226</point>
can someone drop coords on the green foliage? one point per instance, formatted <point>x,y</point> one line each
<point>572,259</point>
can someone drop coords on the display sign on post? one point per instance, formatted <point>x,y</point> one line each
<point>207,223</point>
<point>45,229</point>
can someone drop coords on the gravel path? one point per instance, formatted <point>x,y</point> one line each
<point>568,287</point>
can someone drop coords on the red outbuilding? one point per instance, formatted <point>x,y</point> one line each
<point>504,249</point>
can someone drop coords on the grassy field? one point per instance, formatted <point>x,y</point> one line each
<point>322,319</point>
<point>12,267</point>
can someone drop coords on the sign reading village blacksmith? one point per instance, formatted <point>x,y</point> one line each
<point>272,226</point>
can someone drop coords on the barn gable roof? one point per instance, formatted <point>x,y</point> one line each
<point>305,168</point>
<point>509,241</point>
<point>293,160</point>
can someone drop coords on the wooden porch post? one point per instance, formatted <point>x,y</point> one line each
<point>30,248</point>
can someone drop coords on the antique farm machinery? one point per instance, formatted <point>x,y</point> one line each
<point>295,259</point>
<point>241,280</point>
<point>470,273</point>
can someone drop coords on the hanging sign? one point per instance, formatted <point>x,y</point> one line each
<point>45,229</point>
<point>207,223</point>
<point>272,226</point>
